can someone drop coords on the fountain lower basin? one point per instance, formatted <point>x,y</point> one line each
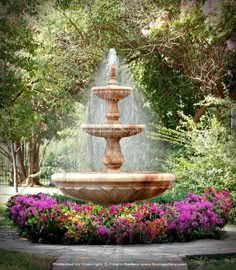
<point>115,187</point>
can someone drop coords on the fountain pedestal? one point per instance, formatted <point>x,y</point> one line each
<point>113,186</point>
<point>113,157</point>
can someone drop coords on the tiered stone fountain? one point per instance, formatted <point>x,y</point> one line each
<point>113,186</point>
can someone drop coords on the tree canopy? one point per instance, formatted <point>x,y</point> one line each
<point>181,54</point>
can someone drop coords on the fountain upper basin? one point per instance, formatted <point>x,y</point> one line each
<point>113,130</point>
<point>113,187</point>
<point>112,92</point>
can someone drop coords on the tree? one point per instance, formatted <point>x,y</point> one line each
<point>17,47</point>
<point>32,108</point>
<point>180,54</point>
<point>193,42</point>
<point>187,45</point>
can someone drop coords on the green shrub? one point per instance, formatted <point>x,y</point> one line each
<point>64,198</point>
<point>201,155</point>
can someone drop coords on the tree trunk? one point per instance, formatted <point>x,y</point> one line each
<point>199,114</point>
<point>33,153</point>
<point>14,167</point>
<point>20,161</point>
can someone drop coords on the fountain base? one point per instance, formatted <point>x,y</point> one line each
<point>110,188</point>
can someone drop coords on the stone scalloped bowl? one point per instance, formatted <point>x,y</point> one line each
<point>113,92</point>
<point>112,130</point>
<point>110,188</point>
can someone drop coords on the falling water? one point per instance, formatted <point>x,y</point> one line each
<point>136,149</point>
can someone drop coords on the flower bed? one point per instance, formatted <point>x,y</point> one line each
<point>42,218</point>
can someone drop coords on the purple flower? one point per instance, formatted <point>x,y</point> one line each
<point>184,217</point>
<point>103,230</point>
<point>67,203</point>
<point>113,209</point>
<point>191,197</point>
<point>154,208</point>
<point>76,207</point>
<point>196,216</point>
<point>194,224</point>
<point>172,226</point>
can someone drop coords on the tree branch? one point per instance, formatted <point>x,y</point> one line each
<point>199,113</point>
<point>44,152</point>
<point>72,23</point>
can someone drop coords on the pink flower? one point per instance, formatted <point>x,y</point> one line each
<point>194,224</point>
<point>145,32</point>
<point>187,4</point>
<point>165,15</point>
<point>103,230</point>
<point>154,208</point>
<point>231,44</point>
<point>114,209</point>
<point>211,7</point>
<point>76,207</point>
<point>153,24</point>
<point>172,226</point>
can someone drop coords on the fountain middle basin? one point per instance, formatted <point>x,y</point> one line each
<point>115,187</point>
<point>112,130</point>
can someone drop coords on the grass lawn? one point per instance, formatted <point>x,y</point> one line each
<point>13,260</point>
<point>224,262</point>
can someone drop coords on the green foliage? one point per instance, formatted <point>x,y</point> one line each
<point>50,49</point>
<point>163,88</point>
<point>64,198</point>
<point>17,46</point>
<point>67,152</point>
<point>203,154</point>
<point>187,59</point>
<point>4,217</point>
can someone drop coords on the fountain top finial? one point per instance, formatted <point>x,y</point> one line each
<point>112,80</point>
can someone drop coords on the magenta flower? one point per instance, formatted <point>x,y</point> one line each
<point>194,217</point>
<point>76,207</point>
<point>103,230</point>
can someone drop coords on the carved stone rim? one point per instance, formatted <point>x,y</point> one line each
<point>113,126</point>
<point>113,179</point>
<point>112,87</point>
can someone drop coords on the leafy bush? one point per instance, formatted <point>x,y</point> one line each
<point>204,154</point>
<point>62,197</point>
<point>45,219</point>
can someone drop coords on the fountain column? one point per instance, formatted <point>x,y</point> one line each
<point>113,157</point>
